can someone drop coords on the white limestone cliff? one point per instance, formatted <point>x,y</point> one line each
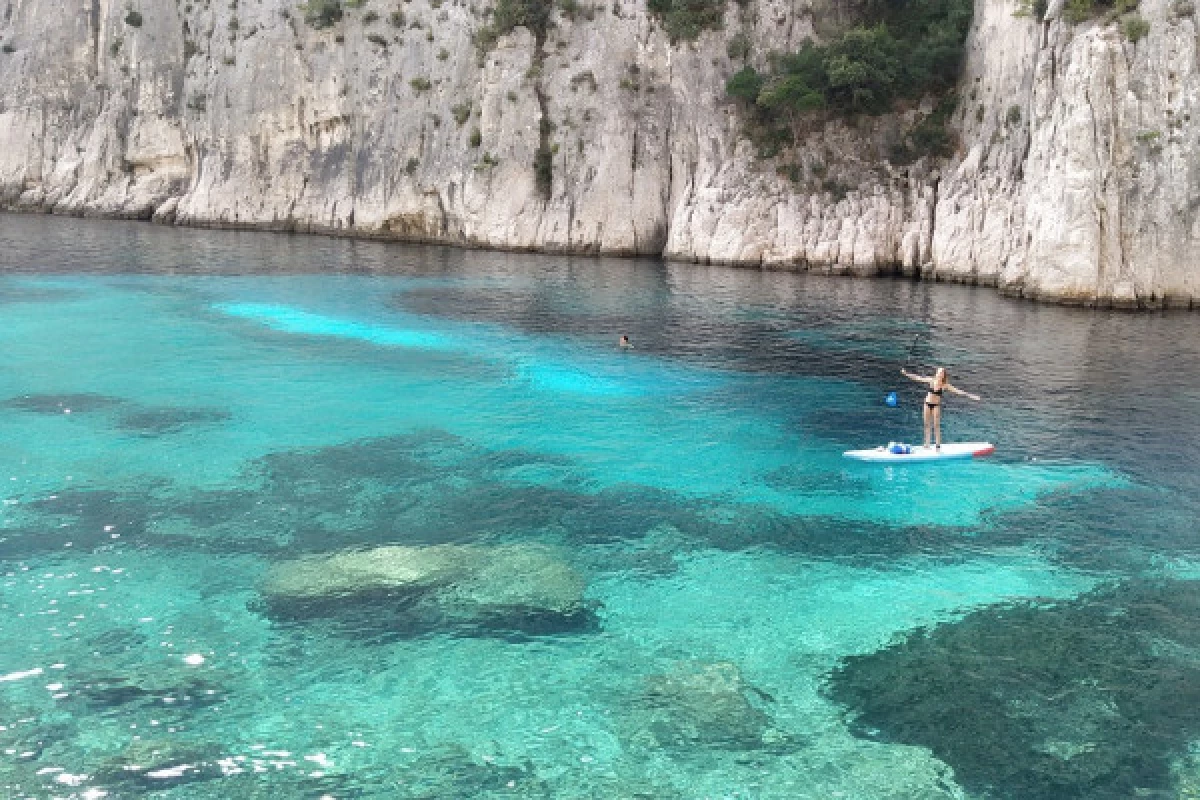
<point>239,114</point>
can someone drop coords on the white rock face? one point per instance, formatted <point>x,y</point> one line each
<point>1076,177</point>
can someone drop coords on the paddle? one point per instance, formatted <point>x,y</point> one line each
<point>893,399</point>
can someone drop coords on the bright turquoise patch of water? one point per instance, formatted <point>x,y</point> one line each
<point>292,320</point>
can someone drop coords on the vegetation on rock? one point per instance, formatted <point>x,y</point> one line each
<point>685,20</point>
<point>914,48</point>
<point>508,15</point>
<point>1135,27</point>
<point>904,52</point>
<point>543,170</point>
<point>322,14</point>
<point>1077,11</point>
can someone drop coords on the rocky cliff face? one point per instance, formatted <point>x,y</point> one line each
<point>1076,175</point>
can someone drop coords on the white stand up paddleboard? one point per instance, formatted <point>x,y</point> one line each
<point>911,454</point>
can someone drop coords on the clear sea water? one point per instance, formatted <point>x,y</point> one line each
<point>183,411</point>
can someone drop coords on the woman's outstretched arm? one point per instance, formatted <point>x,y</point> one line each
<point>956,390</point>
<point>917,378</point>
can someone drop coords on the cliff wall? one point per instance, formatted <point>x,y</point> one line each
<point>1075,176</point>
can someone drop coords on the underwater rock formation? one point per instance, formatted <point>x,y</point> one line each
<point>146,765</point>
<point>1092,698</point>
<point>706,706</point>
<point>81,403</point>
<point>521,587</point>
<point>105,692</point>
<point>151,422</point>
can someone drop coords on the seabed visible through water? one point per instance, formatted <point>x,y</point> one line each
<point>297,517</point>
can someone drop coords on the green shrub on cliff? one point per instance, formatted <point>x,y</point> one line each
<point>543,170</point>
<point>906,50</point>
<point>745,85</point>
<point>685,20</point>
<point>133,19</point>
<point>1134,27</point>
<point>322,14</point>
<point>910,49</point>
<point>1078,11</point>
<point>508,15</point>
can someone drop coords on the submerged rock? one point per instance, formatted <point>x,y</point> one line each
<point>151,422</point>
<point>704,705</point>
<point>146,765</point>
<point>115,641</point>
<point>510,587</point>
<point>450,771</point>
<point>168,690</point>
<point>517,579</point>
<point>1093,698</point>
<point>62,403</point>
<point>394,569</point>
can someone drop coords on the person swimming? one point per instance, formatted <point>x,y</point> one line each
<point>932,416</point>
<point>625,344</point>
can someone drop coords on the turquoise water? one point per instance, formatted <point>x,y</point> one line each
<point>641,574</point>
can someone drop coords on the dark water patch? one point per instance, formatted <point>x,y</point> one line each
<point>80,520</point>
<point>660,324</point>
<point>630,512</point>
<point>112,692</point>
<point>115,642</point>
<point>382,618</point>
<point>28,737</point>
<point>855,542</point>
<point>514,460</point>
<point>426,488</point>
<point>1124,530</point>
<point>150,765</point>
<point>209,507</point>
<point>152,422</point>
<point>1092,698</point>
<point>77,403</point>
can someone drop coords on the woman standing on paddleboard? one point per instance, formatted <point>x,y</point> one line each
<point>939,383</point>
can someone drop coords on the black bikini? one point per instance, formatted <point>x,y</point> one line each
<point>938,392</point>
